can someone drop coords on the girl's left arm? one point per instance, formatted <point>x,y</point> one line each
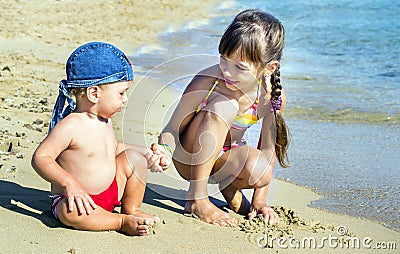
<point>266,144</point>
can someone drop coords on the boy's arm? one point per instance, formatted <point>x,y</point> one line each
<point>121,146</point>
<point>44,163</point>
<point>154,158</point>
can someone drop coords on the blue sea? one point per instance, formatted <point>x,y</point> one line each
<point>341,72</point>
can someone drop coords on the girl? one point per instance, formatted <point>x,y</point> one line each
<point>206,131</point>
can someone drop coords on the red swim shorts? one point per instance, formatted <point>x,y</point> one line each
<point>108,199</point>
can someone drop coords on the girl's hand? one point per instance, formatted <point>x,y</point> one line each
<point>77,195</point>
<point>267,212</point>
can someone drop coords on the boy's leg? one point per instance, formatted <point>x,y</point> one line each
<point>101,220</point>
<point>131,179</point>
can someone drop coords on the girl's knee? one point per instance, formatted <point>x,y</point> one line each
<point>261,181</point>
<point>260,171</point>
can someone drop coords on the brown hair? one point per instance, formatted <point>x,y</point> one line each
<point>76,91</point>
<point>259,38</point>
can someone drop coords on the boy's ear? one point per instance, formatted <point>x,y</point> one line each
<point>93,93</point>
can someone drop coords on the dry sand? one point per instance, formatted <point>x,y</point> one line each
<point>36,37</point>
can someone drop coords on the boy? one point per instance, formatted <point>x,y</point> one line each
<point>89,171</point>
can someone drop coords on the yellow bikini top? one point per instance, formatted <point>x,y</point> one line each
<point>242,121</point>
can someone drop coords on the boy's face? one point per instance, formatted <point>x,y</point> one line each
<point>113,96</point>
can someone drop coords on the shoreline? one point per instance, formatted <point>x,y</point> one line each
<point>321,196</point>
<point>31,66</point>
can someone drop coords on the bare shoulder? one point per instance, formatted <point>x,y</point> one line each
<point>204,79</point>
<point>68,127</point>
<point>59,138</point>
<point>70,122</point>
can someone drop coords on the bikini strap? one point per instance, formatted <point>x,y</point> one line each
<point>205,100</point>
<point>258,91</point>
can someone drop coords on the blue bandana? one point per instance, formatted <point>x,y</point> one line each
<point>92,64</point>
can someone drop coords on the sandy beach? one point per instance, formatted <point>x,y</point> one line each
<point>36,38</point>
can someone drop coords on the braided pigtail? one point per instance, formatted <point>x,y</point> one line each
<point>276,85</point>
<point>282,136</point>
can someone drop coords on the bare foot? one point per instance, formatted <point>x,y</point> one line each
<point>209,213</point>
<point>138,213</point>
<point>236,200</point>
<point>134,226</point>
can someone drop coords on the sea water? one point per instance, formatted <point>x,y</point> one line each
<point>341,72</point>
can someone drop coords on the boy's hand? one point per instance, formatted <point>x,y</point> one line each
<point>164,155</point>
<point>77,195</point>
<point>153,162</point>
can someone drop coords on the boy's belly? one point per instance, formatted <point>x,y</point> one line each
<point>95,176</point>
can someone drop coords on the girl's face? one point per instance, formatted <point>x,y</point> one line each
<point>113,97</point>
<point>238,74</point>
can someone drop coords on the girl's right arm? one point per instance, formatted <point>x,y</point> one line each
<point>193,95</point>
